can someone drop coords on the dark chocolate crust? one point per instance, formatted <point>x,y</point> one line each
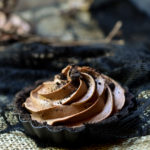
<point>114,127</point>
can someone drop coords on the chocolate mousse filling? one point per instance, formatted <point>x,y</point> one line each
<point>76,96</point>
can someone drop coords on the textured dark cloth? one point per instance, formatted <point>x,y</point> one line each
<point>23,64</point>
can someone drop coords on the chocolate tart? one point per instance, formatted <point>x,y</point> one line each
<point>79,105</point>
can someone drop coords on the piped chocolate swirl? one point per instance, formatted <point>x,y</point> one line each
<point>77,95</point>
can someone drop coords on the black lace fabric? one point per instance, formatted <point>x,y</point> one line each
<point>24,63</point>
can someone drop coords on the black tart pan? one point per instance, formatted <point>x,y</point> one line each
<point>117,126</point>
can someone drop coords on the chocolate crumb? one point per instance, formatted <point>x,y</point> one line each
<point>62,76</point>
<point>57,83</point>
<point>74,73</point>
<point>112,86</point>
